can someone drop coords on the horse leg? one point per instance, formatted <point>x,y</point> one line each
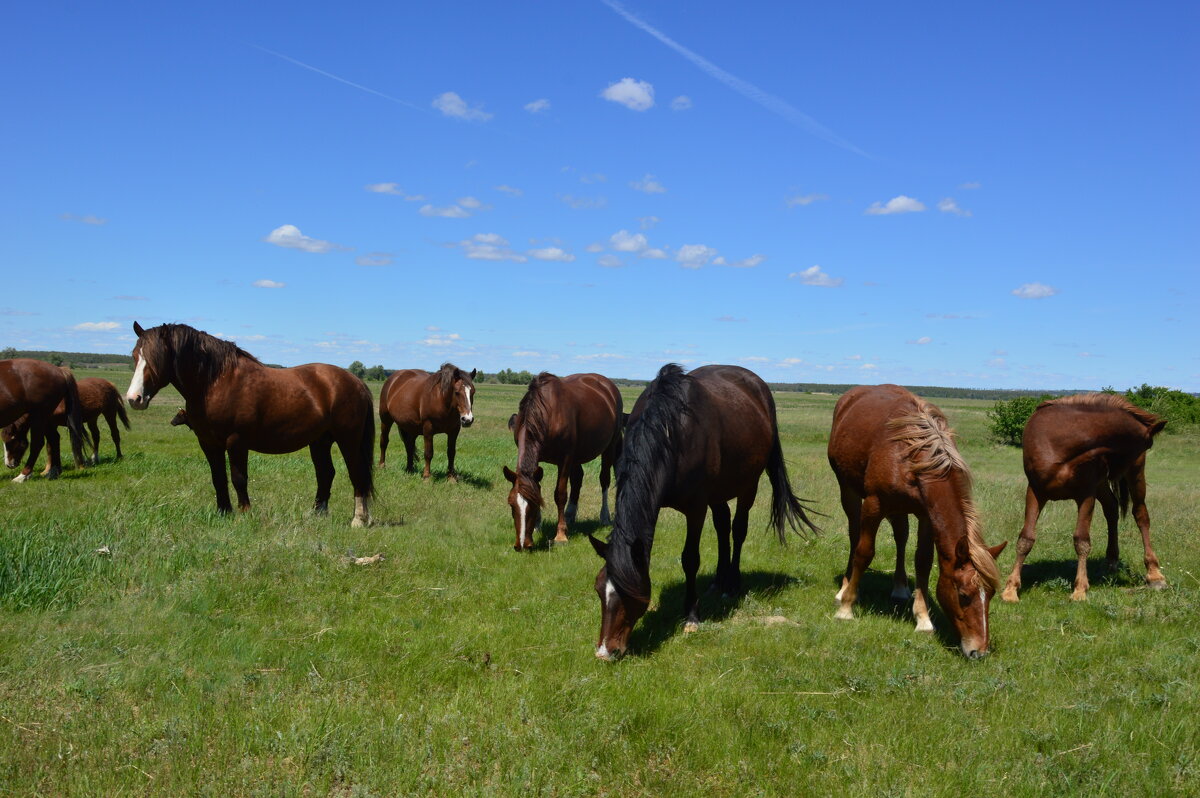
<point>410,450</point>
<point>385,428</point>
<point>1108,503</point>
<point>451,447</point>
<point>53,456</point>
<point>114,431</point>
<point>573,498</point>
<point>741,522</point>
<point>1083,545</point>
<point>864,552</point>
<point>924,564</point>
<point>1033,509</point>
<point>720,515</point>
<point>1137,493</point>
<point>238,472</point>
<point>355,469</point>
<point>37,439</point>
<point>900,592</point>
<point>852,507</point>
<point>94,427</point>
<point>560,501</point>
<point>427,432</point>
<point>216,464</point>
<point>691,564</point>
<point>606,462</point>
<point>322,460</point>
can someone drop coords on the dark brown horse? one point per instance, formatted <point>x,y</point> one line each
<point>1088,447</point>
<point>235,404</point>
<point>35,388</point>
<point>894,456</point>
<point>694,442</point>
<point>97,397</point>
<point>566,421</point>
<point>425,404</point>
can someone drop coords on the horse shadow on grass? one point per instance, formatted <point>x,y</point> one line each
<point>576,533</point>
<point>666,620</point>
<point>875,598</point>
<point>1061,573</point>
<point>464,478</point>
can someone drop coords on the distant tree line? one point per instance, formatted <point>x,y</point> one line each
<point>75,360</point>
<point>376,373</point>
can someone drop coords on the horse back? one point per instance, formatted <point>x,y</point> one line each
<point>586,413</point>
<point>1068,449</point>
<point>29,385</point>
<point>860,451</point>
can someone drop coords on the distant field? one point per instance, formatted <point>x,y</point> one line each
<point>246,656</point>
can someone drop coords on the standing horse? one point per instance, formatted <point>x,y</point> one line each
<point>1088,447</point>
<point>97,397</point>
<point>35,388</point>
<point>566,421</point>
<point>894,455</point>
<point>420,403</point>
<point>235,404</point>
<point>694,442</point>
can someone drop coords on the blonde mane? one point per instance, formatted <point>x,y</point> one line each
<point>1112,400</point>
<point>928,443</point>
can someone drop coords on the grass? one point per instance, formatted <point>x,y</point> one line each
<point>247,656</point>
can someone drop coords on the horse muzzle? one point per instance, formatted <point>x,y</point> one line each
<point>138,402</point>
<point>466,421</point>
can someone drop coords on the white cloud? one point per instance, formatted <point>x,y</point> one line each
<point>804,199</point>
<point>745,263</point>
<point>442,340</point>
<point>584,203</point>
<point>447,212</point>
<point>594,247</point>
<point>624,241</point>
<point>971,186</point>
<point>267,284</point>
<point>610,261</point>
<point>375,259</point>
<point>451,104</point>
<point>601,356</point>
<point>853,357</point>
<point>693,256</point>
<point>728,318</point>
<point>290,237</point>
<point>1034,291</point>
<point>649,185</point>
<point>791,361</point>
<point>868,366</point>
<point>756,359</point>
<point>489,246</point>
<point>526,353</point>
<point>85,219</point>
<point>97,326</point>
<point>514,192</point>
<point>648,221</point>
<point>538,106</point>
<point>948,205</point>
<point>681,103</point>
<point>551,253</point>
<point>593,178</point>
<point>654,253</point>
<point>393,189</point>
<point>998,363</point>
<point>814,276</point>
<point>900,204</point>
<point>924,339</point>
<point>470,203</point>
<point>636,95</point>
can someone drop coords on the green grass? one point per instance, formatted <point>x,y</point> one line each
<point>246,656</point>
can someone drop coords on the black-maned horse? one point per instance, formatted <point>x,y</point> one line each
<point>693,442</point>
<point>235,404</point>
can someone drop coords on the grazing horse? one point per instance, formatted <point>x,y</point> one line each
<point>694,442</point>
<point>894,455</point>
<point>97,397</point>
<point>235,404</point>
<point>566,421</point>
<point>1088,447</point>
<point>420,403</point>
<point>34,388</point>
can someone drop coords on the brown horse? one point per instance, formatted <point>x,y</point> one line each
<point>566,421</point>
<point>235,404</point>
<point>894,455</point>
<point>35,388</point>
<point>97,397</point>
<point>1088,447</point>
<point>420,403</point>
<point>694,442</point>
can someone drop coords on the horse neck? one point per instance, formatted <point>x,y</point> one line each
<point>950,509</point>
<point>194,386</point>
<point>528,453</point>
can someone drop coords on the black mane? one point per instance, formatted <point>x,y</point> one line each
<point>447,374</point>
<point>193,349</point>
<point>534,407</point>
<point>643,472</point>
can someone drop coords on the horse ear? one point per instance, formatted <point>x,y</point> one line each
<point>1158,427</point>
<point>537,475</point>
<point>599,545</point>
<point>962,552</point>
<point>995,550</point>
<point>473,372</point>
<point>509,475</point>
<point>137,328</point>
<point>512,421</point>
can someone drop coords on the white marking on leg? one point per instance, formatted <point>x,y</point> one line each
<point>522,506</point>
<point>362,516</point>
<point>20,477</point>
<point>137,384</point>
<point>602,652</point>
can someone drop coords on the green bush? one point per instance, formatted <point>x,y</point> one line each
<point>1006,419</point>
<point>1178,408</point>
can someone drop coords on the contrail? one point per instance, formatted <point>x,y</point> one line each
<point>747,90</point>
<point>331,76</point>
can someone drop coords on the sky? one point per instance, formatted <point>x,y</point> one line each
<point>971,195</point>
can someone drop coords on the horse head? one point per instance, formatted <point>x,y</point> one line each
<point>525,500</point>
<point>150,368</point>
<point>16,441</point>
<point>464,397</point>
<point>180,418</point>
<point>965,593</point>
<point>619,610</point>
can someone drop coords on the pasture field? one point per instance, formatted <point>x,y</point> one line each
<point>247,656</point>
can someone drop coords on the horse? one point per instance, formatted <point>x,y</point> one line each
<point>35,388</point>
<point>1088,447</point>
<point>421,403</point>
<point>97,397</point>
<point>235,404</point>
<point>180,419</point>
<point>566,421</point>
<point>694,442</point>
<point>894,455</point>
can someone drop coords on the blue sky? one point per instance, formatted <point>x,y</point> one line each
<point>949,194</point>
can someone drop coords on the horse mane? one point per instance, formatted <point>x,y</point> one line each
<point>535,406</point>
<point>927,443</point>
<point>447,374</point>
<point>641,476</point>
<point>1111,400</point>
<point>212,355</point>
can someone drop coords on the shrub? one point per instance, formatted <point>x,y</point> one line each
<point>1006,419</point>
<point>1178,408</point>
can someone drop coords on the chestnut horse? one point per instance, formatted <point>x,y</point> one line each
<point>425,404</point>
<point>694,442</point>
<point>235,404</point>
<point>894,455</point>
<point>1088,447</point>
<point>35,388</point>
<point>97,397</point>
<point>566,421</point>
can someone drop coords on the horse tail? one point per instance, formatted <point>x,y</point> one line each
<point>74,418</point>
<point>121,412</point>
<point>366,449</point>
<point>1120,489</point>
<point>787,509</point>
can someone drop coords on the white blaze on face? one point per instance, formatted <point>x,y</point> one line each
<point>137,385</point>
<point>610,593</point>
<point>9,460</point>
<point>983,609</point>
<point>522,507</point>
<point>468,416</point>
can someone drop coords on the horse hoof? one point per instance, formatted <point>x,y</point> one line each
<point>844,613</point>
<point>691,626</point>
<point>359,523</point>
<point>924,625</point>
<point>559,540</point>
<point>1157,584</point>
<point>1079,595</point>
<point>453,479</point>
<point>20,477</point>
<point>1010,595</point>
